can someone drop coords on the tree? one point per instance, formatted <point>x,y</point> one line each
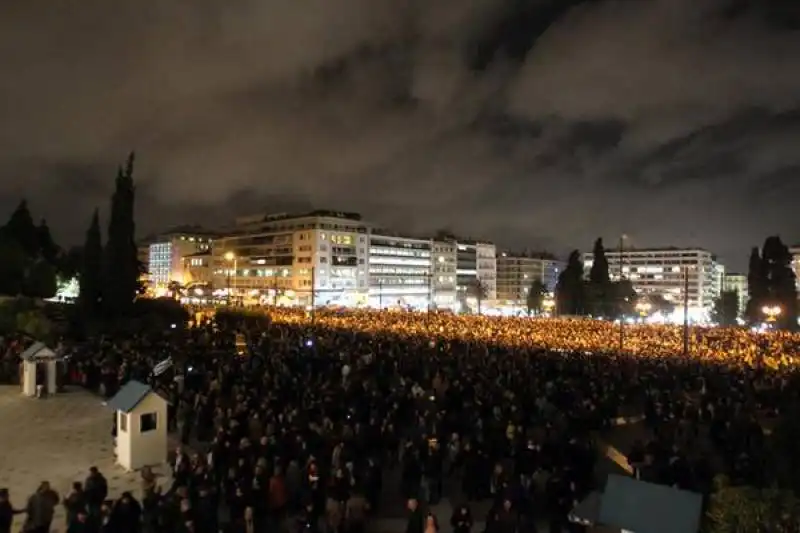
<point>41,280</point>
<point>659,304</point>
<point>477,289</point>
<point>121,280</point>
<point>624,298</point>
<point>781,283</point>
<point>726,308</point>
<point>535,297</point>
<point>48,249</point>
<point>12,266</point>
<point>599,291</point>
<point>756,287</point>
<point>570,293</point>
<point>738,509</point>
<point>70,263</point>
<point>91,270</point>
<point>21,229</point>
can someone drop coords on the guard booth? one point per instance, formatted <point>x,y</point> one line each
<point>628,505</point>
<point>39,370</point>
<point>141,417</point>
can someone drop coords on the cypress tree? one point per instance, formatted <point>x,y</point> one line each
<point>48,249</point>
<point>780,278</point>
<point>601,297</point>
<point>122,265</point>
<point>570,297</point>
<point>91,269</point>
<point>20,228</point>
<point>756,287</point>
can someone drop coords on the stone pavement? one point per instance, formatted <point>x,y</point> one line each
<point>57,439</point>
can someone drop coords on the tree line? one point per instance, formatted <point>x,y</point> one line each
<point>108,273</point>
<point>771,284</point>
<point>596,295</point>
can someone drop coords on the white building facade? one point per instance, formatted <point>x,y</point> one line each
<point>444,274</point>
<point>400,271</point>
<point>316,258</point>
<point>662,271</point>
<point>516,272</point>
<point>166,253</point>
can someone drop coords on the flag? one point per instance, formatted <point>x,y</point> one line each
<point>162,367</point>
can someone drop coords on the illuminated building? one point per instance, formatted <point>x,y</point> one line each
<point>459,266</point>
<point>319,256</point>
<point>517,271</point>
<point>795,251</point>
<point>197,268</point>
<point>166,252</point>
<point>738,283</point>
<point>399,271</point>
<point>661,271</point>
<point>444,274</point>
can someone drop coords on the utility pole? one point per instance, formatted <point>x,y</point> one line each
<point>275,287</point>
<point>313,293</point>
<point>430,291</point>
<point>686,311</point>
<point>380,294</point>
<point>621,316</point>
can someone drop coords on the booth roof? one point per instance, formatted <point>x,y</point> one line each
<point>643,507</point>
<point>129,396</point>
<point>37,350</point>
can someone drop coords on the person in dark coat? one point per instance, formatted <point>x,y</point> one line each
<point>7,512</point>
<point>41,508</point>
<point>416,518</point>
<point>461,521</point>
<point>96,490</point>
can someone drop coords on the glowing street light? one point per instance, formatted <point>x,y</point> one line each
<point>644,308</point>
<point>231,258</point>
<point>772,312</point>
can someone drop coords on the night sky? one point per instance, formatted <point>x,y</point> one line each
<point>533,123</point>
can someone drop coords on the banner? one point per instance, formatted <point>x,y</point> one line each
<point>162,367</point>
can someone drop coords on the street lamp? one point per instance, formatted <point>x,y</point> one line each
<point>643,308</point>
<point>772,312</point>
<point>231,258</point>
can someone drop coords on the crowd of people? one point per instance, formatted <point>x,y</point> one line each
<point>299,430</point>
<point>715,344</point>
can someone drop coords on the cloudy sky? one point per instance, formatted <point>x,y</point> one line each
<point>536,123</point>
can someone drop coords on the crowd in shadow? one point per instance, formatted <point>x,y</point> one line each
<point>297,431</point>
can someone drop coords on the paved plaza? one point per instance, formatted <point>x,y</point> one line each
<point>57,439</point>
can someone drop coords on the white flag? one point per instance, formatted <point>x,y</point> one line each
<point>162,367</point>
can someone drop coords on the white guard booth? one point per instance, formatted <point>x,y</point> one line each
<point>141,426</point>
<point>39,357</point>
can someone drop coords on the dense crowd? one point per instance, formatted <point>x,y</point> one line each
<point>774,348</point>
<point>300,430</point>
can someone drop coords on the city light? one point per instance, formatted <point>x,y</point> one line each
<point>772,312</point>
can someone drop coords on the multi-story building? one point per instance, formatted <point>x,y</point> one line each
<point>197,269</point>
<point>444,273</point>
<point>661,271</point>
<point>738,283</point>
<point>166,252</point>
<point>317,258</point>
<point>460,266</point>
<point>400,271</point>
<point>795,251</point>
<point>516,272</point>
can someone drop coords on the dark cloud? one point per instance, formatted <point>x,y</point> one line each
<point>531,122</point>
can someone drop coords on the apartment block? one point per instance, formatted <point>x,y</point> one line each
<point>662,270</point>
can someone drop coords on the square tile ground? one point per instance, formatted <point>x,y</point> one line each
<point>57,439</point>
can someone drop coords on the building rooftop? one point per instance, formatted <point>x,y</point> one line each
<point>528,255</point>
<point>317,213</point>
<point>634,249</point>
